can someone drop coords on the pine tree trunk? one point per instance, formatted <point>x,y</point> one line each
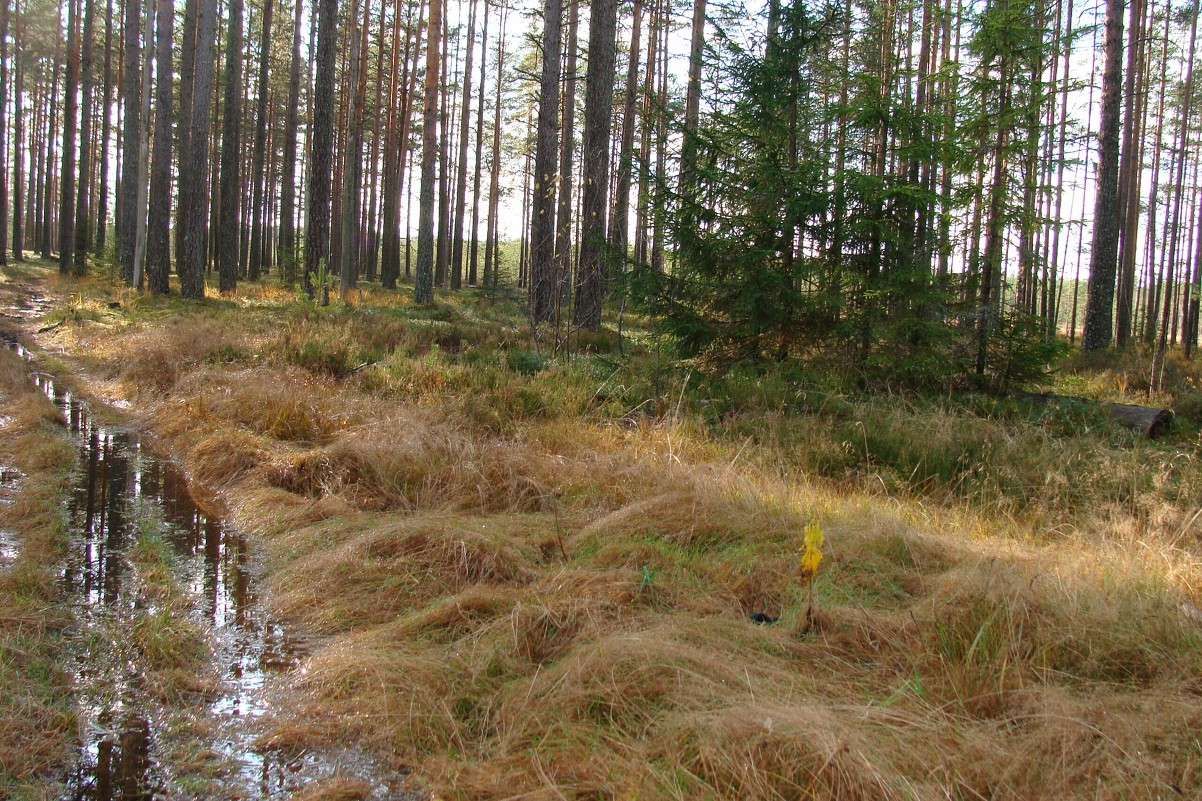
<point>287,242</point>
<point>46,185</point>
<point>567,151</point>
<point>194,194</point>
<point>598,112</point>
<point>1099,306</point>
<point>461,178</point>
<point>991,263</point>
<point>642,209</point>
<point>18,240</point>
<point>83,215</point>
<point>423,285</point>
<point>619,226</point>
<point>100,233</point>
<point>1130,173</point>
<point>542,224</point>
<point>442,255</point>
<point>187,174</point>
<point>231,154</point>
<point>4,141</point>
<point>131,91</point>
<point>692,108</point>
<point>491,231</point>
<point>317,228</point>
<point>474,251</point>
<point>1152,296</point>
<point>371,245</point>
<point>158,245</point>
<point>257,171</point>
<point>140,201</point>
<point>352,171</point>
<point>66,213</point>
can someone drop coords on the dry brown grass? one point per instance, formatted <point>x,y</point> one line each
<point>35,715</point>
<point>517,598</point>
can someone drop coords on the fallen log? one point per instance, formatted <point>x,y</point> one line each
<point>1151,421</point>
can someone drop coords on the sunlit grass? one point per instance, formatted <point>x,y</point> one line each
<point>532,573</point>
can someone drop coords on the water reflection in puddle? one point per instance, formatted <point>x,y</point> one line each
<point>9,551</point>
<point>119,487</point>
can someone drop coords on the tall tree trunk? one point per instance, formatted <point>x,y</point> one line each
<point>442,255</point>
<point>187,78</point>
<point>542,224</point>
<point>371,245</point>
<point>390,246</point>
<point>66,213</point>
<point>353,169</point>
<point>45,187</point>
<point>317,228</point>
<point>692,106</point>
<point>1130,173</point>
<point>991,263</point>
<point>619,226</point>
<point>231,153</point>
<point>461,179</point>
<point>131,91</point>
<point>423,284</point>
<point>1152,296</point>
<point>287,246</point>
<point>100,239</point>
<point>646,128</point>
<point>598,111</point>
<point>83,215</point>
<point>494,167</point>
<point>4,140</point>
<point>474,251</point>
<point>567,151</point>
<point>158,245</point>
<point>140,201</point>
<point>257,171</point>
<point>661,148</point>
<point>194,194</point>
<point>19,140</point>
<point>1099,305</point>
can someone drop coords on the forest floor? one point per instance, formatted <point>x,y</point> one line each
<point>531,576</point>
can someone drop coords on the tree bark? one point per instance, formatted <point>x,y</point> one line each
<point>543,280</point>
<point>66,214</point>
<point>1099,305</point>
<point>494,168</point>
<point>598,111</point>
<point>83,215</point>
<point>158,245</point>
<point>195,193</point>
<point>317,229</point>
<point>567,151</point>
<point>461,179</point>
<point>619,226</point>
<point>287,241</point>
<point>257,170</point>
<point>143,152</point>
<point>474,246</point>
<point>131,91</point>
<point>423,285</point>
<point>18,240</point>
<point>100,234</point>
<point>353,169</point>
<point>231,153</point>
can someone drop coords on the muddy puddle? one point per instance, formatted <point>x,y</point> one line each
<point>120,493</point>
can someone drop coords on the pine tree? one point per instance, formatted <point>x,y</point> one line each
<point>1099,309</point>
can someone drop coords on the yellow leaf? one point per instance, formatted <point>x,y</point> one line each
<point>811,553</point>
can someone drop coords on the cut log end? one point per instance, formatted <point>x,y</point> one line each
<point>1149,420</point>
